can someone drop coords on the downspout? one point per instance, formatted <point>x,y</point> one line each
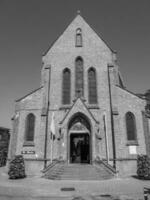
<point>112,121</point>
<point>46,125</point>
<point>106,138</point>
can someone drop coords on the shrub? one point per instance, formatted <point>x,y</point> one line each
<point>17,168</point>
<point>143,167</point>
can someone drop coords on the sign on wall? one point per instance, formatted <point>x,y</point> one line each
<point>27,152</point>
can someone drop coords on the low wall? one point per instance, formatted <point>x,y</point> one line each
<point>33,167</point>
<point>127,167</point>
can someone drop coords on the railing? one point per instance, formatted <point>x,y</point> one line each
<point>52,165</point>
<point>108,166</point>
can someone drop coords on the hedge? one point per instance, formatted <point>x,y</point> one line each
<point>17,168</point>
<point>143,167</point>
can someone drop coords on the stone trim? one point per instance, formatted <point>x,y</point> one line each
<point>64,107</point>
<point>42,159</point>
<point>123,159</point>
<point>29,94</point>
<point>28,109</point>
<point>72,108</point>
<point>130,92</point>
<point>30,159</point>
<point>28,144</point>
<point>115,112</point>
<point>94,106</point>
<point>132,143</point>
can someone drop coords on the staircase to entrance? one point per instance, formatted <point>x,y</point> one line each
<point>64,171</point>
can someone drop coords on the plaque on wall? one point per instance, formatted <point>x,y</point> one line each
<point>132,150</point>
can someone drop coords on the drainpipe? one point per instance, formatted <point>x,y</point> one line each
<point>112,120</point>
<point>106,137</point>
<point>46,125</point>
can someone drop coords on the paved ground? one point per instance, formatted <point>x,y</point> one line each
<point>32,188</point>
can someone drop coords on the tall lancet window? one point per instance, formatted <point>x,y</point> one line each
<point>79,77</point>
<point>78,37</point>
<point>66,87</point>
<point>92,86</point>
<point>131,126</point>
<point>30,124</point>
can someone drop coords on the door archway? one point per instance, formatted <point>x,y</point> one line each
<point>79,139</point>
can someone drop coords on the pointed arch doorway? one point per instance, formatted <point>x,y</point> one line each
<point>79,140</point>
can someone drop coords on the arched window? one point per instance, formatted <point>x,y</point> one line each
<point>92,86</point>
<point>78,37</point>
<point>131,126</point>
<point>79,77</point>
<point>30,124</point>
<point>66,86</point>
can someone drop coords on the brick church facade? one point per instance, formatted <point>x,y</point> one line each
<point>81,86</point>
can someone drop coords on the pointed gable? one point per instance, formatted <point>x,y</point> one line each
<point>66,40</point>
<point>78,107</point>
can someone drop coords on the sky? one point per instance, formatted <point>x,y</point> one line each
<point>28,27</point>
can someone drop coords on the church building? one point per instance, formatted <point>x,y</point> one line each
<point>82,112</point>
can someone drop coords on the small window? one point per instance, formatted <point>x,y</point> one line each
<point>78,37</point>
<point>131,126</point>
<point>29,132</point>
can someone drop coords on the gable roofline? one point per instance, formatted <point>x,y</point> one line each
<point>59,35</point>
<point>98,34</point>
<point>28,94</point>
<point>130,92</point>
<point>72,108</point>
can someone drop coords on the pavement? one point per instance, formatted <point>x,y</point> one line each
<point>31,188</point>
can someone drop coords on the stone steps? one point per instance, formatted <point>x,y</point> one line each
<point>78,172</point>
